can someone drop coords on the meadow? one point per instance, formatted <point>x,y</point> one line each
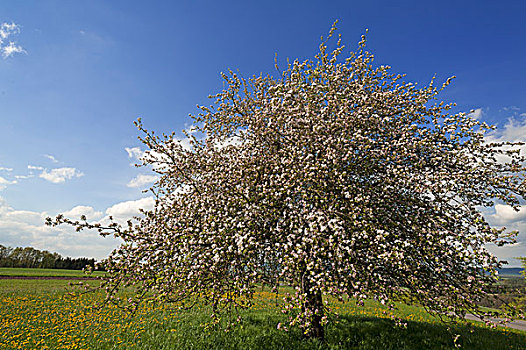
<point>30,272</point>
<point>41,314</point>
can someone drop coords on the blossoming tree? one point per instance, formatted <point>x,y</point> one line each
<point>336,178</point>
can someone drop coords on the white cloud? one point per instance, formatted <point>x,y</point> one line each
<point>56,175</point>
<point>476,114</point>
<point>27,229</point>
<point>511,251</point>
<point>10,48</point>
<point>60,175</point>
<point>514,130</point>
<point>4,183</point>
<point>34,167</point>
<point>125,210</point>
<point>6,169</point>
<point>51,158</point>
<point>8,29</point>
<point>511,108</point>
<point>24,216</point>
<point>505,215</point>
<point>141,180</point>
<point>134,152</point>
<point>24,176</point>
<point>231,141</point>
<point>192,129</point>
<point>185,143</point>
<point>76,212</point>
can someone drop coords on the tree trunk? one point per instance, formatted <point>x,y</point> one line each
<point>314,306</point>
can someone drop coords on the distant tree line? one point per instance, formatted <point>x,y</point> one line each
<point>34,258</point>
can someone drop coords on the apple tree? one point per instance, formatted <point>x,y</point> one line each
<point>336,178</point>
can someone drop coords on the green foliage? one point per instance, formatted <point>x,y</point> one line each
<point>30,257</point>
<point>523,260</point>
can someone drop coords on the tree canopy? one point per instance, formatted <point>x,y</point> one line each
<point>30,257</point>
<point>337,178</point>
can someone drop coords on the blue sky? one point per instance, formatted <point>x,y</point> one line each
<point>88,69</point>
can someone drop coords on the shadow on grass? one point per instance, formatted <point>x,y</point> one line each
<point>354,332</point>
<point>349,332</point>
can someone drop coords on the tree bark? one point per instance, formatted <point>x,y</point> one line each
<point>316,302</point>
<point>314,306</point>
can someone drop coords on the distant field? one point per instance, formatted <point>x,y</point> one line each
<point>25,272</point>
<point>511,272</point>
<point>41,314</point>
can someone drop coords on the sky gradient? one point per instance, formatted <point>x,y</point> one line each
<point>74,75</point>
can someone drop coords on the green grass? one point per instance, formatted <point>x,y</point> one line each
<point>27,272</point>
<point>38,314</point>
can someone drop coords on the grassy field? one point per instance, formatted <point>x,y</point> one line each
<point>39,314</point>
<point>23,272</point>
